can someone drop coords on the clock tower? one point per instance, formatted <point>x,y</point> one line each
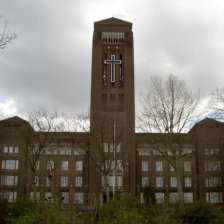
<point>112,112</point>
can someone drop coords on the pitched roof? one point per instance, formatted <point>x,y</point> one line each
<point>112,21</point>
<point>14,119</point>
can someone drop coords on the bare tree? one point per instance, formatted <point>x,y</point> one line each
<point>6,36</point>
<point>44,126</point>
<point>107,154</point>
<point>216,104</point>
<point>168,109</point>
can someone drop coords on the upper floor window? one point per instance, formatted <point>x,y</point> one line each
<point>187,166</point>
<point>213,181</point>
<point>211,151</point>
<point>9,180</point>
<point>79,165</point>
<point>10,164</point>
<point>144,166</point>
<point>11,149</point>
<point>212,165</point>
<point>173,181</point>
<point>159,166</point>
<point>112,37</point>
<point>50,165</point>
<point>64,165</point>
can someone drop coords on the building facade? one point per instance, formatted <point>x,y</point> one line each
<point>87,168</point>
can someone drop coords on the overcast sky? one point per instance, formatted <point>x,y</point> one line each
<point>49,65</point>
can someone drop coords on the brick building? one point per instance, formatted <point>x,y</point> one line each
<point>85,168</point>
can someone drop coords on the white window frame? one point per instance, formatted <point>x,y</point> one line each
<point>187,166</point>
<point>159,181</point>
<point>64,181</point>
<point>78,198</point>
<point>188,181</point>
<point>159,166</point>
<point>145,181</point>
<point>145,166</point>
<point>173,182</point>
<point>64,165</point>
<point>78,181</point>
<point>79,165</point>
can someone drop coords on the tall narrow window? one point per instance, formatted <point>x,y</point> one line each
<point>121,71</point>
<point>104,67</point>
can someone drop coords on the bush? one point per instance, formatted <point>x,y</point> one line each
<point>201,213</point>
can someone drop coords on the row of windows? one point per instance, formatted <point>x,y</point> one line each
<point>78,197</point>
<point>63,151</point>
<point>173,197</point>
<point>112,147</point>
<point>173,181</point>
<point>64,165</point>
<point>64,181</point>
<point>211,151</point>
<point>150,152</point>
<point>113,181</point>
<point>112,37</point>
<point>11,149</point>
<point>159,166</point>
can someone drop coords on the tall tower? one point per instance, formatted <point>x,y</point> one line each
<point>112,103</point>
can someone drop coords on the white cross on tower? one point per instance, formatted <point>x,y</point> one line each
<point>112,62</point>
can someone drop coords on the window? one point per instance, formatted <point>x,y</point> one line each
<point>9,180</point>
<point>79,151</point>
<point>105,147</point>
<point>37,196</point>
<point>11,149</point>
<point>171,168</point>
<point>212,166</point>
<point>48,197</point>
<point>141,198</point>
<point>159,181</point>
<point>79,165</point>
<point>214,197</point>
<point>64,165</point>
<point>10,164</point>
<point>78,198</point>
<point>36,180</point>
<point>119,181</point>
<point>16,149</point>
<point>50,165</point>
<point>187,181</point>
<point>78,181</point>
<point>65,197</point>
<point>174,198</point>
<point>119,145</point>
<point>213,181</point>
<point>187,166</point>
<point>145,181</point>
<point>144,166</point>
<point>159,166</point>
<point>10,196</point>
<point>188,197</point>
<point>159,198</point>
<point>173,181</point>
<point>64,181</point>
<point>48,182</point>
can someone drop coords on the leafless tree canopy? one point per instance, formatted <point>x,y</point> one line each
<point>216,103</point>
<point>168,107</point>
<point>5,35</point>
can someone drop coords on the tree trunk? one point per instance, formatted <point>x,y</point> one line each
<point>179,184</point>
